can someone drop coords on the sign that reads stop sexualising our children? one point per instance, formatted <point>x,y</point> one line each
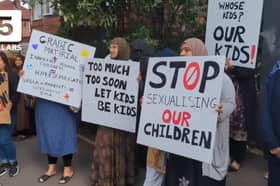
<point>233,28</point>
<point>110,93</point>
<point>54,67</point>
<point>179,109</point>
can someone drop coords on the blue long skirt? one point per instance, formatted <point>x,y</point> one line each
<point>56,128</point>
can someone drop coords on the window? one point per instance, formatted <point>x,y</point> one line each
<point>48,9</point>
<point>44,9</point>
<point>37,11</point>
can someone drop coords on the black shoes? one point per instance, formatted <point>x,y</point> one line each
<point>14,169</point>
<point>4,168</point>
<point>11,168</point>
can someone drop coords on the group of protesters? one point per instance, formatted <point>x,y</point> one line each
<point>116,152</point>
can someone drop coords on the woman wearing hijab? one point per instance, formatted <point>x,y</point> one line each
<point>113,156</point>
<point>56,128</point>
<point>185,171</point>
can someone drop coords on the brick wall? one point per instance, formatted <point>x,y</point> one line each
<point>48,24</point>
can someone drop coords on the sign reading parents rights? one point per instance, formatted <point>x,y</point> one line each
<point>233,28</point>
<point>180,100</point>
<point>110,93</point>
<point>53,68</point>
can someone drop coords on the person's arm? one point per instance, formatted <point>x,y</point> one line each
<point>227,99</point>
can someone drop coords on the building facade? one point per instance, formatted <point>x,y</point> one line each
<point>45,18</point>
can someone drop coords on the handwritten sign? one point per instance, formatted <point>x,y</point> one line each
<point>233,28</point>
<point>4,99</point>
<point>53,68</point>
<point>110,93</point>
<point>180,100</point>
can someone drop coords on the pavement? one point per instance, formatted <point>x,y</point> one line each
<point>33,164</point>
<point>251,172</point>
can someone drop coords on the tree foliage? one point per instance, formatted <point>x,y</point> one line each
<point>163,22</point>
<point>185,18</point>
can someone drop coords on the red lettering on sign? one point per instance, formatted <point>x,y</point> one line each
<point>177,118</point>
<point>192,71</point>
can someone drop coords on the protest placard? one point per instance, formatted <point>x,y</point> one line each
<point>110,93</point>
<point>233,28</point>
<point>5,117</point>
<point>53,68</point>
<point>180,100</point>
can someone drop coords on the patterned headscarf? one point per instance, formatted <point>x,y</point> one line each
<point>123,48</point>
<point>196,46</point>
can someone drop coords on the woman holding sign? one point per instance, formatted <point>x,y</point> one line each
<point>57,133</point>
<point>8,95</point>
<point>184,171</point>
<point>56,128</point>
<point>113,156</point>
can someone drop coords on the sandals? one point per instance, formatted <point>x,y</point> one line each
<point>44,178</point>
<point>234,166</point>
<point>65,179</point>
<point>62,180</point>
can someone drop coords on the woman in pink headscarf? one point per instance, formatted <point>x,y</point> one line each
<point>185,171</point>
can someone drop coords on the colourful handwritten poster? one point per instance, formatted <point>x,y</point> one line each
<point>53,68</point>
<point>4,99</point>
<point>179,109</point>
<point>110,93</point>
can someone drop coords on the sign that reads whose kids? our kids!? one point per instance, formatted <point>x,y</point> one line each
<point>179,108</point>
<point>5,117</point>
<point>110,93</point>
<point>53,68</point>
<point>233,28</point>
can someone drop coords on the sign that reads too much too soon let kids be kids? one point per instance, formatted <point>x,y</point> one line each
<point>54,67</point>
<point>110,93</point>
<point>179,108</point>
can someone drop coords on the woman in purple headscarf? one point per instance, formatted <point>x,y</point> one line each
<point>185,171</point>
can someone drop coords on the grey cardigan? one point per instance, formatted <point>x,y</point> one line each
<point>218,168</point>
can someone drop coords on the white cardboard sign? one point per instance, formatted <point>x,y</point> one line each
<point>180,100</point>
<point>53,68</point>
